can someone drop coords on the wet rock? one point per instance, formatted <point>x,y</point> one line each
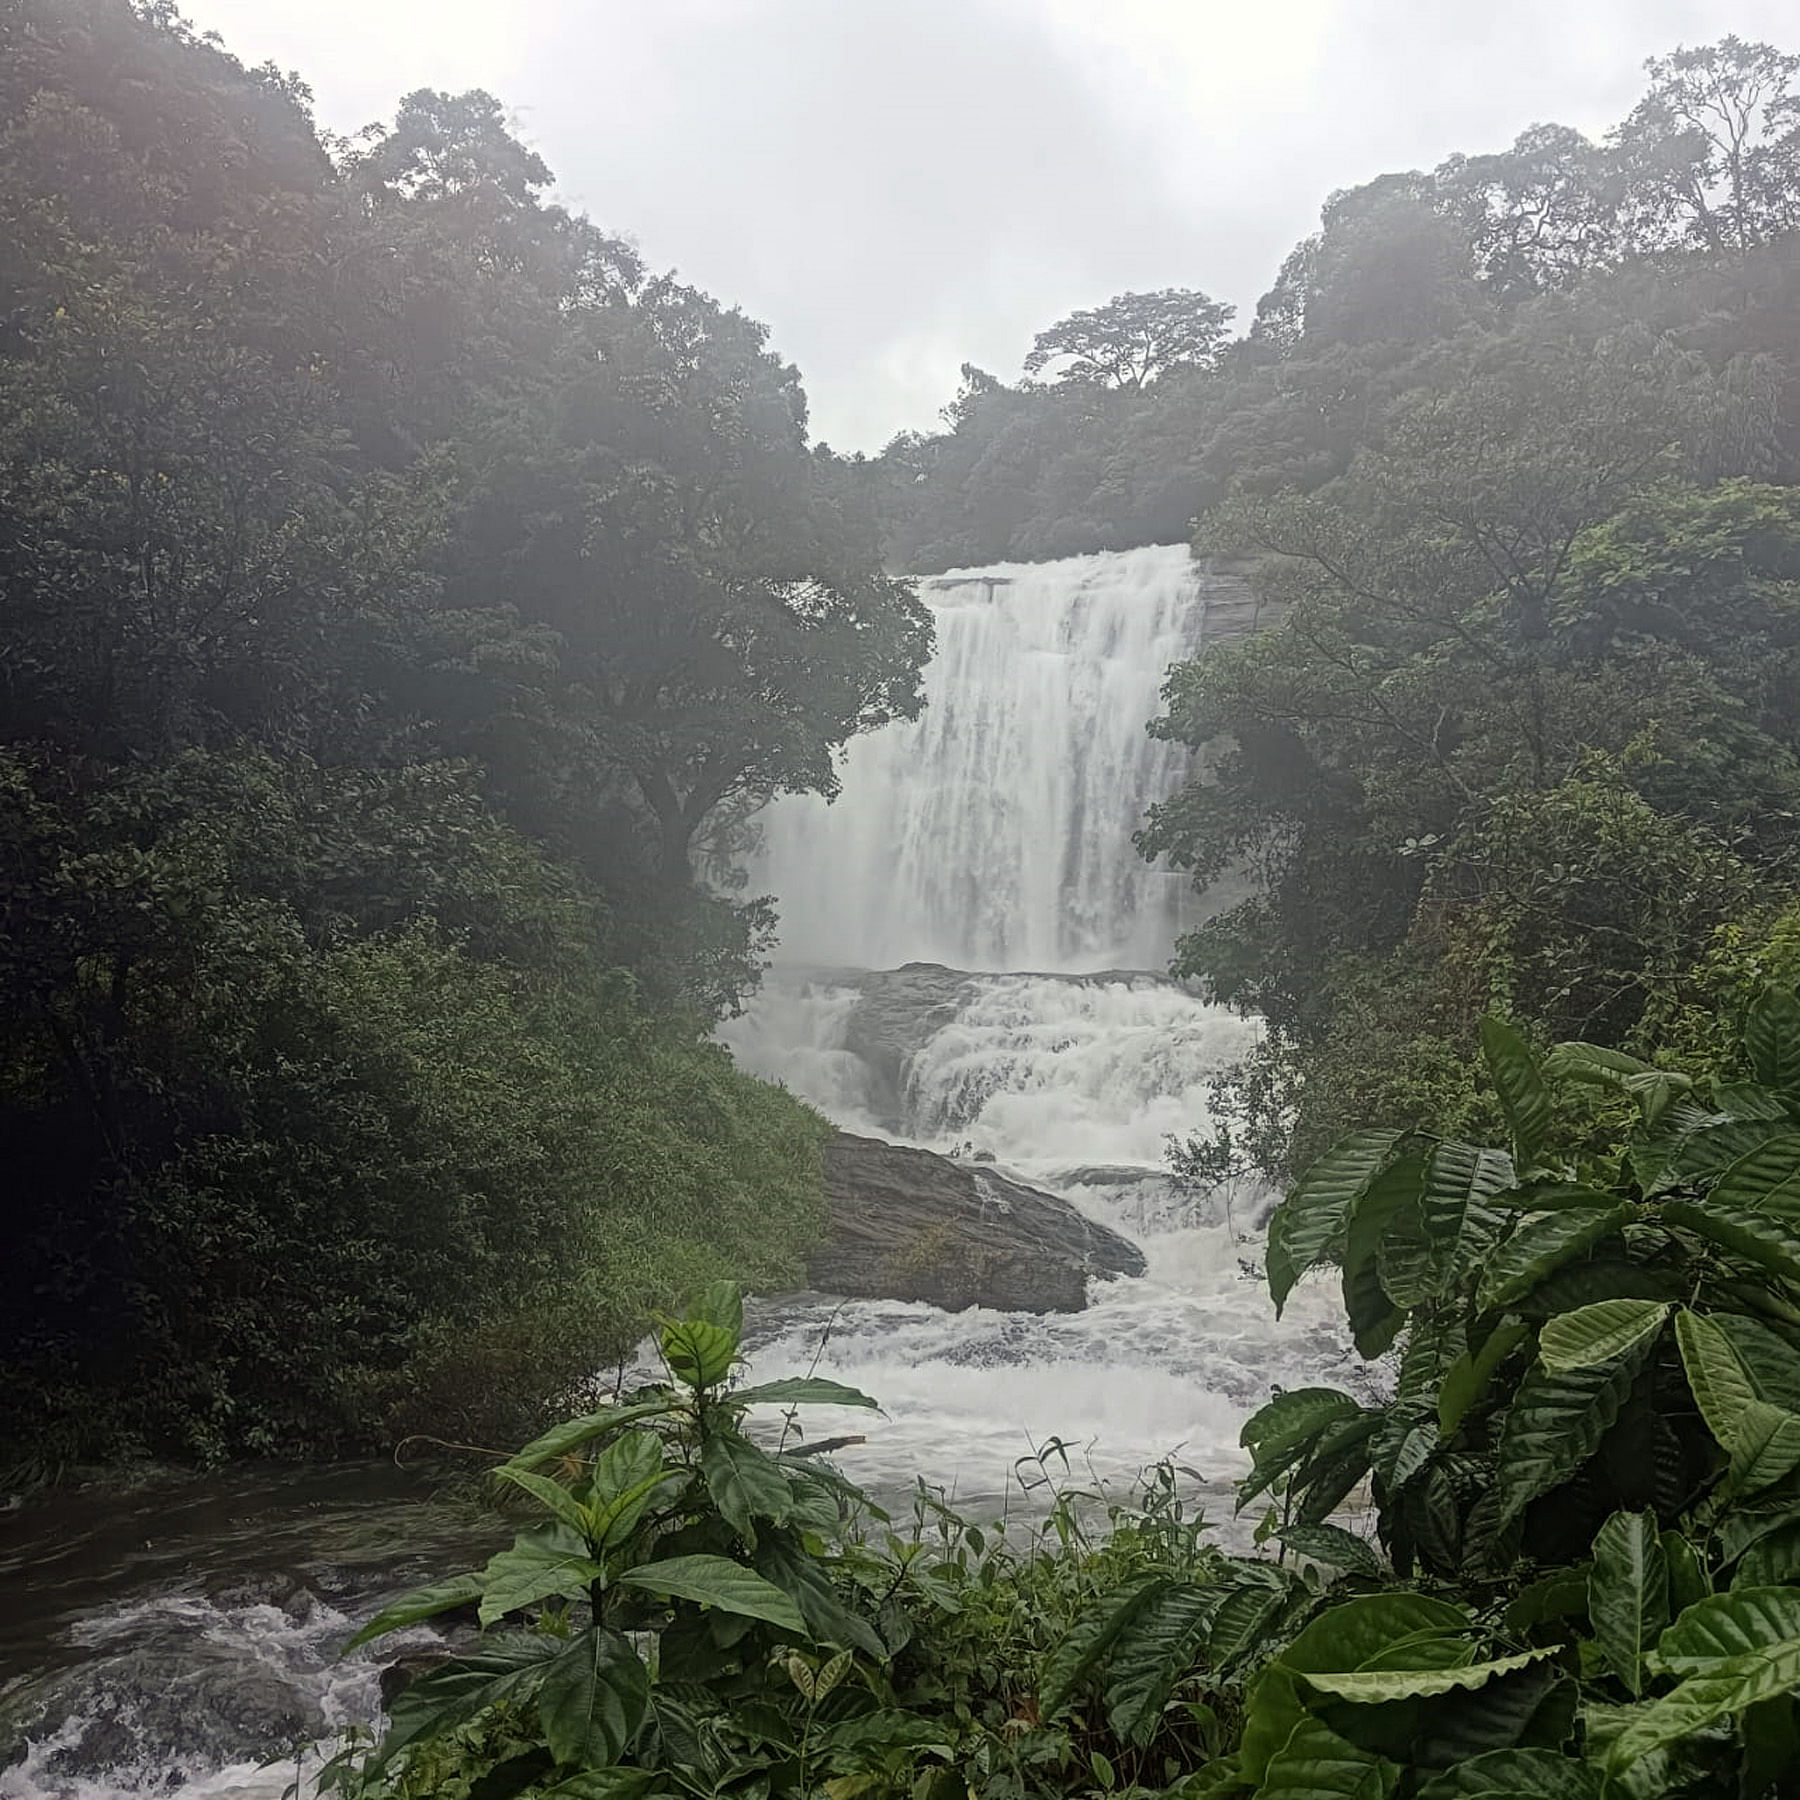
<point>900,1009</point>
<point>193,1706</point>
<point>906,1224</point>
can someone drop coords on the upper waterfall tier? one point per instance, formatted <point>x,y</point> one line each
<point>995,832</point>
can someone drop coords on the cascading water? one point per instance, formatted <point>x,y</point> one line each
<point>994,836</point>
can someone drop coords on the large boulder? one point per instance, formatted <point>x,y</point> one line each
<point>907,1224</point>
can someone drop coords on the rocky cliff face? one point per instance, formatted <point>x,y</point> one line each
<point>907,1224</point>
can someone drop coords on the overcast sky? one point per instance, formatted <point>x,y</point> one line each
<point>899,186</point>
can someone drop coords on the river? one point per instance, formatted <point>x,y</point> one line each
<point>189,1627</point>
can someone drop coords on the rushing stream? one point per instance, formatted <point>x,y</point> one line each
<point>169,1639</point>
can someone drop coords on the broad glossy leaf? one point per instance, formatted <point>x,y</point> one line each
<point>1513,1775</point>
<point>422,1603</point>
<point>565,1439</point>
<point>1308,1226</point>
<point>1094,1633</point>
<point>1628,1594</point>
<point>1517,1080</point>
<point>1281,1432</point>
<point>1354,1633</point>
<point>1461,1225</point>
<point>1159,1650</point>
<point>1326,1478</point>
<point>1467,1378</point>
<point>745,1484</point>
<point>1688,1580</point>
<point>1766,1180</point>
<point>551,1495</point>
<point>1593,1063</point>
<point>699,1353</point>
<point>1720,1386</point>
<point>538,1566</point>
<point>1555,1424</point>
<point>803,1578</point>
<point>1723,1689</point>
<point>1772,1560</point>
<point>1316,1764</point>
<point>1764,1447</point>
<point>1761,1238</point>
<point>1596,1334</point>
<point>719,1582</point>
<point>1242,1622</point>
<point>1374,1316</point>
<point>624,1464</point>
<point>1772,1038</point>
<point>593,1699</point>
<point>600,1784</point>
<point>719,1303</point>
<point>1373,1686</point>
<point>1727,1625</point>
<point>1553,1196</point>
<point>507,1666</point>
<point>801,1390</point>
<point>1333,1545</point>
<point>1744,1100</point>
<point>1562,1595</point>
<point>1539,1245</point>
<point>1773,1363</point>
<point>1706,1150</point>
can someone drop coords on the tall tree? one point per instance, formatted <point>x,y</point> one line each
<point>1133,338</point>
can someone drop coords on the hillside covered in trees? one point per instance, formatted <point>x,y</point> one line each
<point>400,582</point>
<point>1513,446</point>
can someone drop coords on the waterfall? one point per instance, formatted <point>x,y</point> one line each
<point>995,831</point>
<point>992,838</point>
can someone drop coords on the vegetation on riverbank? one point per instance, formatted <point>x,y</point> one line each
<point>404,593</point>
<point>1584,1578</point>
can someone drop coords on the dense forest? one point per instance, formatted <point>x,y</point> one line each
<point>1511,447</point>
<point>403,590</point>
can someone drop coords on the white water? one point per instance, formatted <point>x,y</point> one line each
<point>995,835</point>
<point>995,831</point>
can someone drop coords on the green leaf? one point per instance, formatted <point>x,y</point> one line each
<point>1467,1378</point>
<point>745,1484</point>
<point>1373,1315</point>
<point>1720,1386</point>
<point>1371,1686</point>
<point>1285,1430</point>
<point>550,1494</point>
<point>625,1465</point>
<point>699,1353</point>
<point>1561,1595</point>
<point>1539,1245</point>
<point>1316,1764</point>
<point>1332,1544</point>
<point>1308,1226</point>
<point>1555,1424</point>
<point>1159,1649</point>
<point>1772,1038</point>
<point>540,1564</point>
<point>601,1784</point>
<point>1766,1179</point>
<point>801,1390</point>
<point>1354,1633</point>
<point>1744,1101</point>
<point>1725,1688</point>
<point>421,1603</point>
<point>1688,1580</point>
<point>719,1582</point>
<point>1513,1774</point>
<point>1767,1241</point>
<point>1771,1360</point>
<point>1242,1621</point>
<point>1593,1063</point>
<point>1723,1626</point>
<point>1553,1196</point>
<point>1523,1097</point>
<point>593,1699</point>
<point>1461,1227</point>
<point>721,1304</point>
<point>507,1666</point>
<point>1764,1447</point>
<point>1592,1335</point>
<point>572,1434</point>
<point>1628,1594</point>
<point>1771,1560</point>
<point>1096,1629</point>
